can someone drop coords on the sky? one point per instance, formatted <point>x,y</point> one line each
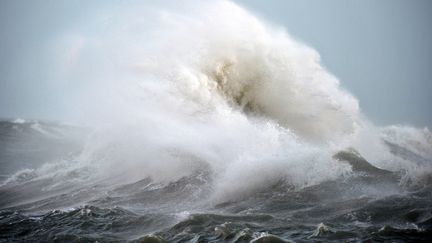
<point>379,50</point>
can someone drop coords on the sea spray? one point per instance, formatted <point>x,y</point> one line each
<point>208,123</point>
<point>212,87</point>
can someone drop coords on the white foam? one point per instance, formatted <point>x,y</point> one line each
<point>19,121</point>
<point>212,86</point>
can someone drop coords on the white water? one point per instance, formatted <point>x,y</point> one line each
<point>212,87</point>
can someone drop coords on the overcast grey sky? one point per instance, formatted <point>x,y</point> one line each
<point>379,49</point>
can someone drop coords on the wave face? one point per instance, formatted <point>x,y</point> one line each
<point>205,123</point>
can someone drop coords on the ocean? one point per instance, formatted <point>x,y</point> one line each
<point>208,126</point>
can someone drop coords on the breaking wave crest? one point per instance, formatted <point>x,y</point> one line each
<point>213,88</point>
